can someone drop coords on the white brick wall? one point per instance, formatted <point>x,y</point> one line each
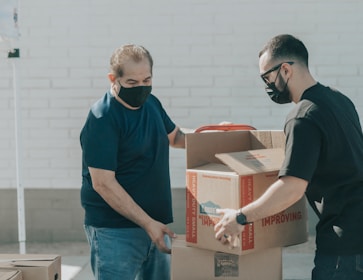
<point>206,68</point>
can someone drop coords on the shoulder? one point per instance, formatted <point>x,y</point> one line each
<point>154,100</point>
<point>315,100</point>
<point>302,109</point>
<point>104,107</point>
<point>101,106</point>
<point>104,114</point>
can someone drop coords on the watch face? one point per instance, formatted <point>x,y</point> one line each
<point>241,219</point>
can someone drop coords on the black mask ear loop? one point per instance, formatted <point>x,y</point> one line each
<point>277,76</point>
<point>286,84</point>
<point>285,87</point>
<point>116,86</point>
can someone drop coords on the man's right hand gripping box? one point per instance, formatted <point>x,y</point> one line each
<point>230,170</point>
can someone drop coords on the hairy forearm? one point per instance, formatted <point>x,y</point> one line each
<point>115,196</point>
<point>178,138</point>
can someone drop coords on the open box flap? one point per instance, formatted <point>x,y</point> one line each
<point>27,259</point>
<point>10,274</point>
<point>253,161</point>
<point>202,147</point>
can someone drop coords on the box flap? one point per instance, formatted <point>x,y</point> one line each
<point>27,260</point>
<point>262,139</point>
<point>253,161</point>
<point>10,274</point>
<point>202,147</point>
<point>214,168</point>
<point>27,257</point>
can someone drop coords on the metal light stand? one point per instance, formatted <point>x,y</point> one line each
<point>13,54</point>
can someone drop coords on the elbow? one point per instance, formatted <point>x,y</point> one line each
<point>177,139</point>
<point>99,187</point>
<point>101,179</point>
<point>296,189</point>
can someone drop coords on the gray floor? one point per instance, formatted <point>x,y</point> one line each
<point>297,260</point>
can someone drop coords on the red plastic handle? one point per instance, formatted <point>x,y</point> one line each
<point>227,127</point>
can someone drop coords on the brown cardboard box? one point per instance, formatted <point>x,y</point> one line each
<point>33,267</point>
<point>199,264</point>
<point>230,170</point>
<point>10,274</point>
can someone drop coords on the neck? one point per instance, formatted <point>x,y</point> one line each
<point>306,83</point>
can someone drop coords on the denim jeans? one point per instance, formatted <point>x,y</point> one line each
<point>331,267</point>
<point>127,254</point>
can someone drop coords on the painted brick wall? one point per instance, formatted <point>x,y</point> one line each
<point>206,69</point>
<point>54,215</point>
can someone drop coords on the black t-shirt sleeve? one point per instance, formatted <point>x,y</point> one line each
<point>100,142</point>
<point>303,144</point>
<point>168,123</point>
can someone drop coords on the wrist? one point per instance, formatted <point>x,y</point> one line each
<point>241,218</point>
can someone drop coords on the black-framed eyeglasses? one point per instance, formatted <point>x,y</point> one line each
<point>277,67</point>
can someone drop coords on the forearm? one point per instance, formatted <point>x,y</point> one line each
<point>177,138</point>
<point>115,196</point>
<point>279,196</point>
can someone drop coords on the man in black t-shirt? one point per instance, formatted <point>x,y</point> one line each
<point>324,160</point>
<point>125,173</point>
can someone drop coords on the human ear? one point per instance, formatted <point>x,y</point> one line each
<point>287,69</point>
<point>111,77</point>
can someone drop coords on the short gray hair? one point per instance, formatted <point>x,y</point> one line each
<point>126,52</point>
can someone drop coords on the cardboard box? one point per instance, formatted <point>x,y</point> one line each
<point>10,274</point>
<point>230,170</point>
<point>33,267</point>
<point>200,264</point>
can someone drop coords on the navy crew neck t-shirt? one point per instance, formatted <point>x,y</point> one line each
<point>135,145</point>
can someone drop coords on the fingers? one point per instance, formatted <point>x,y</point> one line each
<point>225,239</point>
<point>163,248</point>
<point>219,224</point>
<point>162,245</point>
<point>217,227</point>
<point>231,240</point>
<point>221,211</point>
<point>170,233</point>
<point>234,241</point>
<point>161,240</point>
<point>220,233</point>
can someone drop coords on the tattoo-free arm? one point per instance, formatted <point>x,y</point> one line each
<point>177,138</point>
<point>279,196</point>
<point>106,185</point>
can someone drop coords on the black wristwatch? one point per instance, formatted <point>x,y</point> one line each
<point>241,218</point>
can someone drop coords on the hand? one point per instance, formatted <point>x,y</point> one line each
<point>225,123</point>
<point>157,231</point>
<point>227,229</point>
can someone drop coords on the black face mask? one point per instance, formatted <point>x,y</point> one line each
<point>134,96</point>
<point>280,97</point>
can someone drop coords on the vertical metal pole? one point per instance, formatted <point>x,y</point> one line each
<point>18,151</point>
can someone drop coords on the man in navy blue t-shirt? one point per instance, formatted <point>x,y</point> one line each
<point>323,159</point>
<point>125,169</point>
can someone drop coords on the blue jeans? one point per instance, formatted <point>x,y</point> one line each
<point>331,267</point>
<point>127,254</point>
